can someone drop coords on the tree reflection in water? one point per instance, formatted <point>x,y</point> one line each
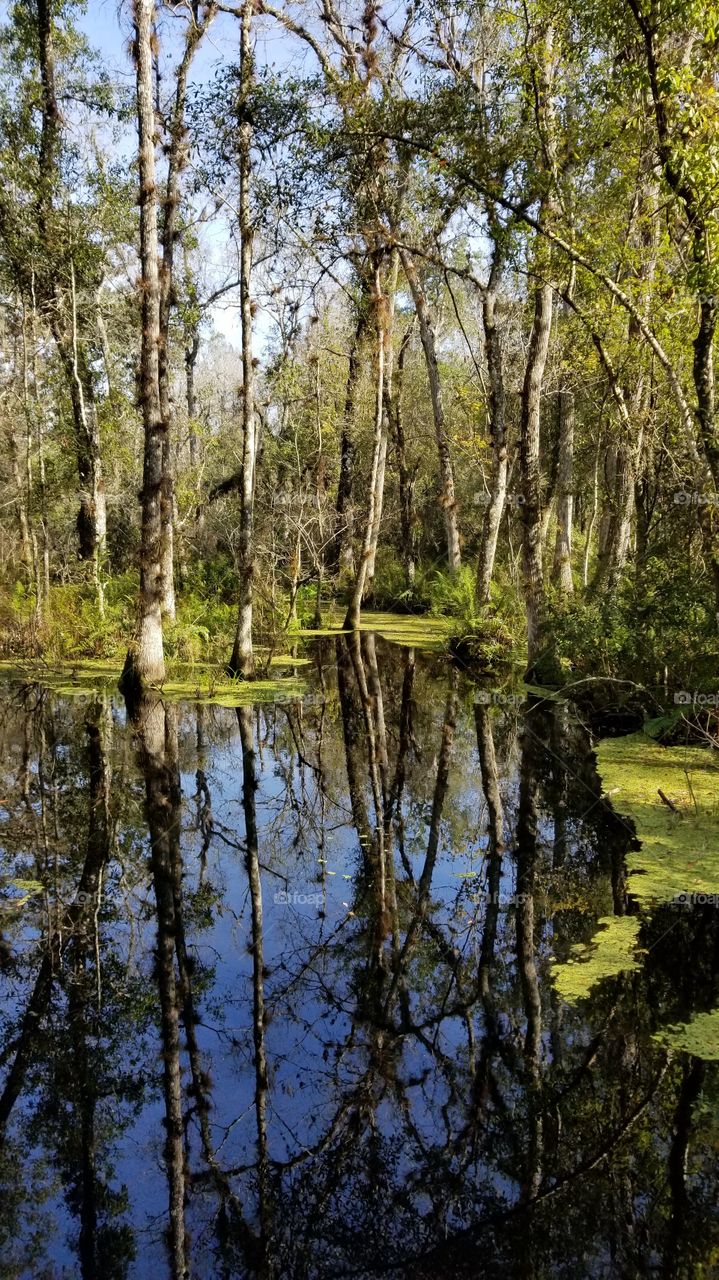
<point>278,1000</point>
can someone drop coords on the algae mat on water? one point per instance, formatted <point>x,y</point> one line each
<point>86,679</point>
<point>679,855</point>
<point>411,630</point>
<point>611,951</point>
<point>679,850</point>
<point>414,631</point>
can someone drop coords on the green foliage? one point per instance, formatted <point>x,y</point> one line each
<point>73,625</point>
<point>452,595</point>
<point>202,631</point>
<point>657,622</point>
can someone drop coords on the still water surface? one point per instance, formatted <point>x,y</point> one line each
<point>277,996</point>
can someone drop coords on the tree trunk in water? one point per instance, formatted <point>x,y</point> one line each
<point>495,818</point>
<point>241,662</point>
<point>526,958</point>
<point>565,495</point>
<point>157,730</point>
<point>532,569</point>
<point>351,716</point>
<point>380,444</point>
<point>497,427</point>
<point>145,663</point>
<point>447,497</point>
<point>252,863</point>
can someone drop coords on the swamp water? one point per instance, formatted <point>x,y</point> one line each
<point>369,980</point>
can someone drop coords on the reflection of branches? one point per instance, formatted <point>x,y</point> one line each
<point>71,922</point>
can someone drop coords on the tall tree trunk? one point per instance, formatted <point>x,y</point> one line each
<point>497,427</point>
<point>680,180</point>
<point>532,568</point>
<point>447,495</point>
<point>407,517</point>
<point>241,662</point>
<point>177,153</point>
<point>387,397</point>
<point>371,528</point>
<point>192,350</point>
<point>565,495</point>
<point>92,517</point>
<point>341,555</point>
<point>145,663</point>
<point>21,508</point>
<point>616,516</point>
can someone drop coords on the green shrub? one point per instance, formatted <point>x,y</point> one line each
<point>658,624</point>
